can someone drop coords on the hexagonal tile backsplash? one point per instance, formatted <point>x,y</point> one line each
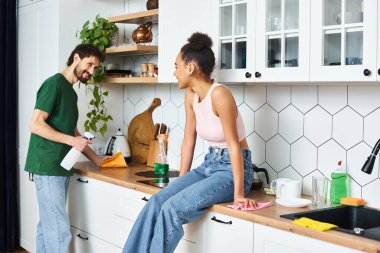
<point>293,131</point>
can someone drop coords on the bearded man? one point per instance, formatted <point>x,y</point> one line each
<point>54,132</point>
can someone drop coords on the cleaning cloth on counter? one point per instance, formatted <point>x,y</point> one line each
<point>317,225</point>
<point>260,205</point>
<point>117,161</point>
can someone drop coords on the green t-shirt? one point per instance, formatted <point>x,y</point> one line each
<point>57,97</point>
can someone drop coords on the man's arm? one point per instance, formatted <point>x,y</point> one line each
<point>39,127</point>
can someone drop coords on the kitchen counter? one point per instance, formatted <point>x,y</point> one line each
<point>126,177</point>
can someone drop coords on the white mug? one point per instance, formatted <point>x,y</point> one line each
<point>275,184</point>
<point>289,189</point>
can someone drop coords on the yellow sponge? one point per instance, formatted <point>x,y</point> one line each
<point>352,201</point>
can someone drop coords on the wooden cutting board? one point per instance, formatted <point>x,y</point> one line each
<point>140,133</point>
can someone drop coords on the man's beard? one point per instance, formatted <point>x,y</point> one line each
<point>80,77</point>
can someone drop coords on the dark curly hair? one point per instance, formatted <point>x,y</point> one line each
<point>84,51</point>
<point>198,49</point>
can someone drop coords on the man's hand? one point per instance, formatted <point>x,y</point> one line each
<point>79,143</point>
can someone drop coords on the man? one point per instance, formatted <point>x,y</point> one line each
<point>54,133</point>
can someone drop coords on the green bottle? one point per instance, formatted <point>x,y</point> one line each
<point>339,185</point>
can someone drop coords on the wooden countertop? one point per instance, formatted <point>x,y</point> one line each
<point>126,177</point>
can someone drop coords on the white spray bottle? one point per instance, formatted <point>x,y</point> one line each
<point>72,157</point>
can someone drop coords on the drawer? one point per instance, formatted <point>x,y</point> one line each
<point>129,203</point>
<point>83,242</point>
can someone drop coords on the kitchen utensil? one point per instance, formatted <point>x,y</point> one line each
<point>289,189</point>
<point>293,202</point>
<point>156,130</point>
<point>257,183</point>
<point>150,69</point>
<point>143,33</point>
<point>140,133</point>
<point>151,4</point>
<point>118,143</point>
<point>163,128</point>
<point>319,191</point>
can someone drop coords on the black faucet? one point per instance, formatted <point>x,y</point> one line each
<point>368,165</point>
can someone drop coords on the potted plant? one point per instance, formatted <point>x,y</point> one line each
<point>98,33</point>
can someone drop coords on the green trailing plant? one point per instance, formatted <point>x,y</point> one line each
<point>98,33</point>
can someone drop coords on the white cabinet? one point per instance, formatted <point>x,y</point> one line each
<point>90,207</point>
<point>343,40</point>
<point>272,240</point>
<point>234,39</point>
<point>282,40</point>
<point>83,242</point>
<point>223,233</point>
<point>178,19</point>
<point>21,3</point>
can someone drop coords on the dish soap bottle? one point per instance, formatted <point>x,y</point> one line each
<point>161,166</point>
<point>339,184</point>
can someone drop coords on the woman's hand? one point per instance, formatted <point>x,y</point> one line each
<point>245,202</point>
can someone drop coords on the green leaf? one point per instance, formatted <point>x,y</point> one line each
<point>110,117</point>
<point>98,33</point>
<point>89,115</point>
<point>93,112</point>
<point>86,24</point>
<point>103,129</point>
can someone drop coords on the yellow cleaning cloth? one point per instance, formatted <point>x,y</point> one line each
<point>317,225</point>
<point>116,161</point>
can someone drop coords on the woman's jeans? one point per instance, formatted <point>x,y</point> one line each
<point>158,229</point>
<point>53,229</point>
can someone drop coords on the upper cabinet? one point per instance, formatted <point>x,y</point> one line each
<point>233,36</point>
<point>343,40</point>
<point>282,40</point>
<point>178,19</point>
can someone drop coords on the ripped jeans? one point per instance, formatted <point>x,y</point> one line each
<point>158,229</point>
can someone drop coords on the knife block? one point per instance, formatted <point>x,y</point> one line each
<point>154,148</point>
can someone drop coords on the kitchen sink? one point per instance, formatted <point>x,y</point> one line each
<point>361,221</point>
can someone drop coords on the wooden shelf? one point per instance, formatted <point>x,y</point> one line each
<point>131,50</point>
<point>136,18</point>
<point>131,80</point>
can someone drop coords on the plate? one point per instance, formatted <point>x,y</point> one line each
<point>293,202</point>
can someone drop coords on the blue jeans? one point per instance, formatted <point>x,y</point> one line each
<point>53,229</point>
<point>158,228</point>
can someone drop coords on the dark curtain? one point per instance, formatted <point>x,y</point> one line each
<point>9,221</point>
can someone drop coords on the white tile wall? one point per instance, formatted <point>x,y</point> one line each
<point>293,131</point>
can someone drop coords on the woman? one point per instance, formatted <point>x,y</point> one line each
<point>226,173</point>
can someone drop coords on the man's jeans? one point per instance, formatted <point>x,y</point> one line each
<point>158,229</point>
<point>53,229</point>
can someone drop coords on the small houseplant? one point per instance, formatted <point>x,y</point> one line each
<point>98,33</point>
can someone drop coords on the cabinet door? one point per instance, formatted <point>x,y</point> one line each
<point>282,40</point>
<point>272,240</point>
<point>21,3</point>
<point>83,242</point>
<point>227,234</point>
<point>178,19</point>
<point>90,205</point>
<point>343,40</point>
<point>234,27</point>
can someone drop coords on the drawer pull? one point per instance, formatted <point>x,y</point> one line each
<point>81,237</point>
<point>82,181</point>
<point>145,199</point>
<point>220,221</point>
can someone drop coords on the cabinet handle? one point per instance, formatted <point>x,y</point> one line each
<point>144,198</point>
<point>220,221</point>
<point>82,181</point>
<point>257,74</point>
<point>81,237</point>
<point>378,71</point>
<point>248,75</point>
<point>367,72</point>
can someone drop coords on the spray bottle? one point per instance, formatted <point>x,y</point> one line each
<point>72,157</point>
